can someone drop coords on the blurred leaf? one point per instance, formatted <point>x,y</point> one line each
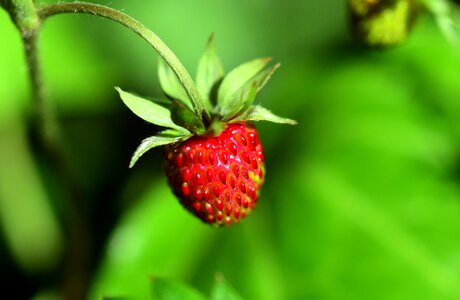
<point>149,111</point>
<point>222,290</point>
<point>149,241</point>
<point>229,93</point>
<point>167,289</point>
<point>443,12</point>
<point>210,71</point>
<point>381,23</point>
<point>170,84</point>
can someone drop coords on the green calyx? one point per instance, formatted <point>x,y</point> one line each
<point>221,98</point>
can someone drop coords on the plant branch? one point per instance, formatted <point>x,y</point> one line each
<point>23,14</point>
<point>129,22</point>
<point>25,17</point>
<point>44,112</point>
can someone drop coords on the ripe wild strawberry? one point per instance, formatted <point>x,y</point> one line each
<point>218,178</point>
<point>214,158</point>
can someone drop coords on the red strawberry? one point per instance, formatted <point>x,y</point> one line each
<point>215,161</point>
<point>218,178</point>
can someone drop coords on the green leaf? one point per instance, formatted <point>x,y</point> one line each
<point>167,289</point>
<point>249,91</point>
<point>210,71</point>
<point>185,117</point>
<point>172,133</point>
<point>247,98</point>
<point>163,101</point>
<point>148,110</point>
<point>170,85</point>
<point>151,142</point>
<point>258,113</point>
<point>230,89</point>
<point>222,290</point>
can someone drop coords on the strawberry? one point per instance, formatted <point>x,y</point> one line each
<point>218,178</point>
<point>214,158</point>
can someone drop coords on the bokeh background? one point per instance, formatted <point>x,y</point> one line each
<point>361,199</point>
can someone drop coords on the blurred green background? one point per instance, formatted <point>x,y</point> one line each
<point>361,200</point>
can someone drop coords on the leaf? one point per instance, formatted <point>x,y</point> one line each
<point>148,110</point>
<point>172,133</point>
<point>167,289</point>
<point>210,71</point>
<point>151,142</point>
<point>249,91</point>
<point>229,91</point>
<point>443,12</point>
<point>222,290</point>
<point>249,95</point>
<point>185,117</point>
<point>170,85</point>
<point>258,113</point>
<point>163,101</point>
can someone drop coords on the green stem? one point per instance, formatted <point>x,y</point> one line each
<point>23,14</point>
<point>129,22</point>
<point>44,112</point>
<point>25,17</point>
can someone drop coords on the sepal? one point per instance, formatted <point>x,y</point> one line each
<point>170,85</point>
<point>149,111</point>
<point>161,139</point>
<point>228,98</point>
<point>210,72</point>
<point>258,113</point>
<point>249,91</point>
<point>185,117</point>
<point>173,133</point>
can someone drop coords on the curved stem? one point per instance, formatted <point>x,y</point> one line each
<point>129,22</point>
